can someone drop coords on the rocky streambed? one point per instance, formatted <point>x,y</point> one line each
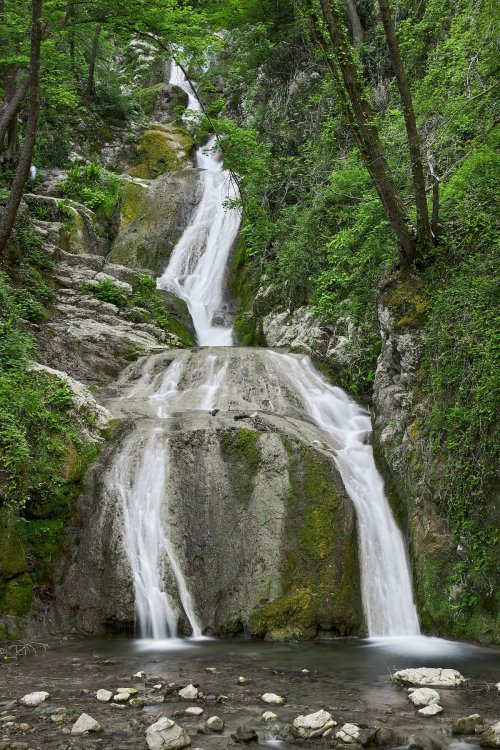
<point>216,693</point>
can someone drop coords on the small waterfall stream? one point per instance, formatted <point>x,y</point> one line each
<point>196,273</point>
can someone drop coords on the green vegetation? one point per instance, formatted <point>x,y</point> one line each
<point>91,185</point>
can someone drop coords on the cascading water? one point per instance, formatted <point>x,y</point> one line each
<point>198,263</point>
<point>196,273</point>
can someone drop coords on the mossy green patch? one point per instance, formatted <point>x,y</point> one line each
<point>16,596</point>
<point>12,560</point>
<point>240,449</point>
<point>133,203</point>
<point>407,300</point>
<point>163,149</point>
<point>289,618</point>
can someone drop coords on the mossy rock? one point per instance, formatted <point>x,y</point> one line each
<point>407,300</point>
<point>12,561</point>
<point>134,203</point>
<point>16,596</point>
<point>289,618</point>
<point>163,149</point>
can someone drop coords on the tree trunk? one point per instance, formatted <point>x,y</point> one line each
<point>365,131</point>
<point>23,167</point>
<point>358,33</point>
<point>90,89</point>
<point>417,168</point>
<point>18,87</point>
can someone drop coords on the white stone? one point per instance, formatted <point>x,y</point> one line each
<point>269,716</point>
<point>498,686</point>
<point>210,669</point>
<point>140,675</point>
<point>104,696</point>
<point>429,676</point>
<point>348,733</point>
<point>34,699</point>
<point>273,698</point>
<point>215,724</point>
<point>165,734</point>
<point>84,724</point>
<point>242,680</point>
<point>491,737</point>
<point>189,693</point>
<point>430,710</point>
<point>129,691</point>
<point>423,696</point>
<point>305,671</point>
<point>194,711</point>
<point>121,697</point>
<point>313,725</point>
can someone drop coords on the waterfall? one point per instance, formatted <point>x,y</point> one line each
<point>196,274</point>
<point>385,575</point>
<point>198,263</point>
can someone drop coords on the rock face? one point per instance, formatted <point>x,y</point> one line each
<point>165,734</point>
<point>153,217</point>
<point>292,573</point>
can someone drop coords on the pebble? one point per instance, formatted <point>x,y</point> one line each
<point>140,675</point>
<point>243,681</point>
<point>269,716</point>
<point>194,711</point>
<point>210,669</point>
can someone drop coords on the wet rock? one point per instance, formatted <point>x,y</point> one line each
<point>466,725</point>
<point>428,741</point>
<point>313,725</point>
<point>214,724</point>
<point>269,716</point>
<point>429,676</point>
<point>189,693</point>
<point>121,697</point>
<point>84,724</point>
<point>491,738</point>
<point>165,734</point>
<point>273,698</point>
<point>34,699</point>
<point>140,675</point>
<point>136,702</point>
<point>244,735</point>
<point>194,711</point>
<point>104,696</point>
<point>387,737</point>
<point>349,733</point>
<point>432,710</point>
<point>423,696</point>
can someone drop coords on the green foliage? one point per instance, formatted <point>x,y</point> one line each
<point>107,291</point>
<point>91,185</point>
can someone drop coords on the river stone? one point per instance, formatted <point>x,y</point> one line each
<point>423,696</point>
<point>245,735</point>
<point>129,691</point>
<point>428,741</point>
<point>431,710</point>
<point>189,693</point>
<point>121,697</point>
<point>214,724</point>
<point>104,696</point>
<point>269,716</point>
<point>491,737</point>
<point>273,698</point>
<point>313,725</point>
<point>194,711</point>
<point>348,733</point>
<point>84,724</point>
<point>466,725</point>
<point>165,734</point>
<point>34,699</point>
<point>429,676</point>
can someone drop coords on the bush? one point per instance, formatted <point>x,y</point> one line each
<point>94,187</point>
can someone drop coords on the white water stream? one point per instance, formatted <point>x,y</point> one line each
<point>196,273</point>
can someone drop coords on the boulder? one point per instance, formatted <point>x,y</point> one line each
<point>84,724</point>
<point>491,737</point>
<point>277,700</point>
<point>34,699</point>
<point>313,725</point>
<point>165,734</point>
<point>429,677</point>
<point>466,725</point>
<point>423,696</point>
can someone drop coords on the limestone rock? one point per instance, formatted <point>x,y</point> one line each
<point>104,696</point>
<point>165,734</point>
<point>431,710</point>
<point>84,724</point>
<point>429,676</point>
<point>466,725</point>
<point>491,737</point>
<point>313,725</point>
<point>189,693</point>
<point>423,696</point>
<point>269,716</point>
<point>214,724</point>
<point>34,699</point>
<point>349,733</point>
<point>194,711</point>
<point>273,698</point>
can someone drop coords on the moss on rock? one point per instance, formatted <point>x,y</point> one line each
<point>16,596</point>
<point>163,149</point>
